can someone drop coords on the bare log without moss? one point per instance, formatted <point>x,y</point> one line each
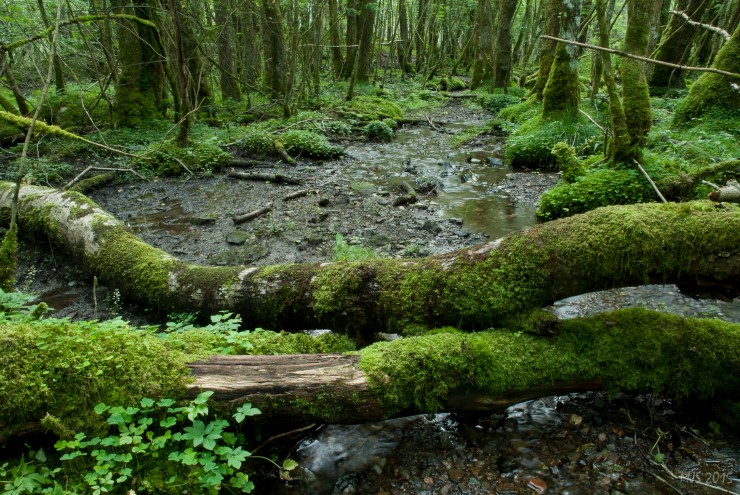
<point>477,287</point>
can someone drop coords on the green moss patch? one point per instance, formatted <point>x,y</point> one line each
<point>630,350</point>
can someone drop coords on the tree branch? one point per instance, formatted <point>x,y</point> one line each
<point>714,29</point>
<point>644,59</point>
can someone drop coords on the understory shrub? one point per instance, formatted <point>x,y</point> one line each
<point>378,131</point>
<point>369,108</point>
<point>451,84</point>
<point>530,146</point>
<point>308,143</point>
<point>494,103</point>
<point>598,187</point>
<point>567,162</point>
<point>521,112</point>
<point>169,158</point>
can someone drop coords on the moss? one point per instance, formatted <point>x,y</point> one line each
<point>714,91</point>
<point>378,131</point>
<point>567,162</point>
<point>368,108</point>
<point>93,182</point>
<point>309,144</point>
<point>629,350</point>
<point>635,91</point>
<point>494,103</point>
<point>521,112</point>
<point>531,144</point>
<point>8,259</point>
<point>23,123</point>
<point>64,369</point>
<point>171,159</point>
<point>598,187</point>
<point>562,91</point>
<point>334,288</point>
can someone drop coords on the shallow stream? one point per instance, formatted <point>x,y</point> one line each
<point>577,444</point>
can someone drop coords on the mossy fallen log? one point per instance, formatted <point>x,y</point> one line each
<point>478,287</point>
<point>54,372</point>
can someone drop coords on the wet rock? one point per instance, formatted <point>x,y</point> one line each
<point>468,176</point>
<point>202,219</point>
<point>506,464</point>
<point>461,233</point>
<point>575,419</point>
<point>456,474</point>
<point>378,240</point>
<point>455,221</point>
<point>340,200</point>
<point>432,227</point>
<point>366,188</point>
<point>536,484</point>
<point>237,237</point>
<point>244,255</point>
<point>317,217</point>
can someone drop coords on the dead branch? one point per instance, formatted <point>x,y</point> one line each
<point>296,195</point>
<point>714,29</point>
<point>643,59</point>
<point>644,172</point>
<point>252,215</point>
<point>277,178</point>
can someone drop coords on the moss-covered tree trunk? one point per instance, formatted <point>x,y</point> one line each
<point>714,92</point>
<point>633,351</point>
<point>276,63</point>
<point>367,28</point>
<point>476,287</point>
<point>140,88</point>
<point>352,37</point>
<point>635,92</point>
<point>336,50</point>
<point>547,47</point>
<point>562,92</point>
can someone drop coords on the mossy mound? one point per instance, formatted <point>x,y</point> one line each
<point>530,146</point>
<point>451,84</point>
<point>369,108</point>
<point>308,143</point>
<point>714,91</point>
<point>63,369</point>
<point>597,187</point>
<point>494,103</point>
<point>171,159</point>
<point>76,108</point>
<point>631,350</point>
<point>521,112</point>
<point>378,131</point>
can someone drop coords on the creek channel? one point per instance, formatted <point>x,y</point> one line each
<point>576,444</point>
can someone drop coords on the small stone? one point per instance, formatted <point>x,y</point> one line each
<point>237,237</point>
<point>202,220</point>
<point>455,221</point>
<point>575,419</point>
<point>602,437</point>
<point>428,480</point>
<point>474,160</point>
<point>455,474</point>
<point>495,162</point>
<point>432,227</point>
<point>323,202</point>
<point>462,233</point>
<point>537,485</point>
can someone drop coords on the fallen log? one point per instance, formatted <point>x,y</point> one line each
<point>296,195</point>
<point>252,215</point>
<point>729,193</point>
<point>632,351</point>
<point>477,287</point>
<point>275,178</point>
<point>250,163</point>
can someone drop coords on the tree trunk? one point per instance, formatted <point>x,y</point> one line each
<point>675,45</point>
<point>562,92</point>
<point>404,48</point>
<point>367,28</point>
<point>352,38</point>
<point>484,44</point>
<point>140,87</point>
<point>336,51</point>
<point>635,92</point>
<point>229,84</point>
<point>419,31</point>
<point>277,65</point>
<point>502,53</point>
<point>547,47</point>
<point>476,287</point>
<point>58,70</point>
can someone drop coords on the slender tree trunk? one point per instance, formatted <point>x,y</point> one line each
<point>20,100</point>
<point>404,48</point>
<point>276,59</point>
<point>225,35</point>
<point>336,51</point>
<point>484,44</point>
<point>352,38</point>
<point>58,69</point>
<point>419,31</point>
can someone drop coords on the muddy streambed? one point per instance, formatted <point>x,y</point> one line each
<point>577,444</point>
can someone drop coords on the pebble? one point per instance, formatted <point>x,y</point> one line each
<point>537,485</point>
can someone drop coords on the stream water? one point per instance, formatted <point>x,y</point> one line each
<point>576,444</point>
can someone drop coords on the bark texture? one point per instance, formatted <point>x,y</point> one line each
<point>476,287</point>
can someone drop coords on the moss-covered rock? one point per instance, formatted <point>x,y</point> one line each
<point>369,108</point>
